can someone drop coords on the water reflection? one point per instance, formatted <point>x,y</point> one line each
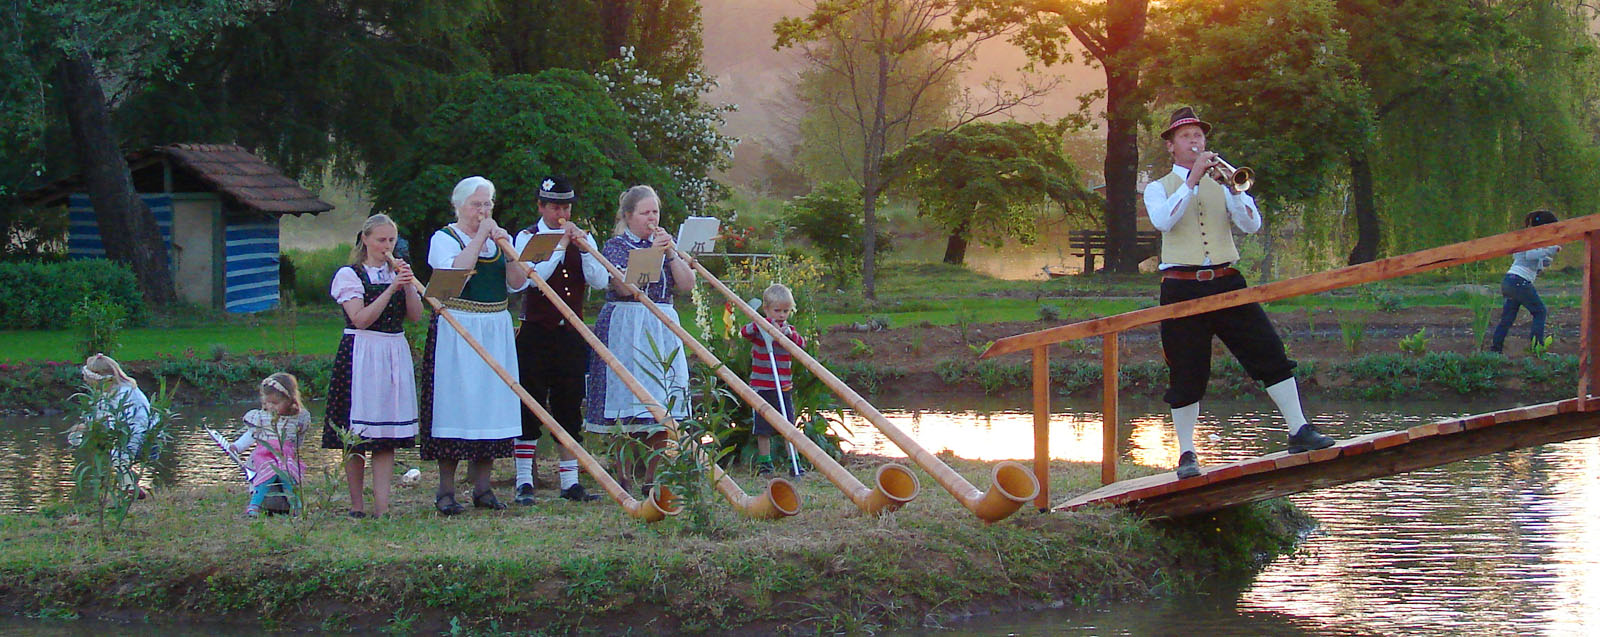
<point>36,463</point>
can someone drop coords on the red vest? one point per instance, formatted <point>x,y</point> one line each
<point>569,285</point>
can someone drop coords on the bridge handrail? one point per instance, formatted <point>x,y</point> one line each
<point>1380,270</point>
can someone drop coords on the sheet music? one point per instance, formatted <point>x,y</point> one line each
<point>446,283</point>
<point>698,234</point>
<point>644,266</point>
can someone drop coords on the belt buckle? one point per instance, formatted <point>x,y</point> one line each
<point>1205,275</point>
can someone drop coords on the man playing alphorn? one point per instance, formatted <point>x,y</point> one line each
<point>552,356</point>
<point>1193,211</point>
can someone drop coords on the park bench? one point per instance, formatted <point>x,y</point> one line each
<point>1091,243</point>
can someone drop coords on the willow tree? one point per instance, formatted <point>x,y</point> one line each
<point>1504,123</point>
<point>989,181</point>
<point>890,56</point>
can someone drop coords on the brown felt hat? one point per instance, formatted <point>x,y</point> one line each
<point>1183,117</point>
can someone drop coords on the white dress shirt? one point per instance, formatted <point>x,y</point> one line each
<point>1165,211</point>
<point>594,273</point>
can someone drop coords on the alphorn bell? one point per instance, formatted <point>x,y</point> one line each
<point>894,486</point>
<point>657,505</point>
<point>779,499</point>
<point>1013,484</point>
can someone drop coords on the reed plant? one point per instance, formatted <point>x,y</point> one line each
<point>111,456</point>
<point>1352,331</point>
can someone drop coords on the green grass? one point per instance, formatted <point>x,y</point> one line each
<point>564,567</point>
<point>308,335</point>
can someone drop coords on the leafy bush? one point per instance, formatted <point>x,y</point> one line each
<point>830,218</point>
<point>42,295</point>
<point>1415,344</point>
<point>99,324</point>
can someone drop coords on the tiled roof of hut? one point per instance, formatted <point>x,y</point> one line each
<point>244,178</point>
<point>235,174</point>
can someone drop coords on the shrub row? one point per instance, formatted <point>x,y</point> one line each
<point>41,295</point>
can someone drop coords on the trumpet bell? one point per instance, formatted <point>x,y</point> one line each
<point>1243,179</point>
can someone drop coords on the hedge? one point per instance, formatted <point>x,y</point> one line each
<point>41,295</point>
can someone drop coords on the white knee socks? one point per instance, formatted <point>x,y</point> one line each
<point>1183,419</point>
<point>1287,396</point>
<point>567,471</point>
<point>522,453</point>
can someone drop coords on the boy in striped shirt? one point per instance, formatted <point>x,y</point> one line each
<point>770,375</point>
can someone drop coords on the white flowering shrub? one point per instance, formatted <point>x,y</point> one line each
<point>672,127</point>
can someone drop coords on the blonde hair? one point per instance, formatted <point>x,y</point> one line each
<point>629,200</point>
<point>775,293</point>
<point>358,254</point>
<point>101,367</point>
<point>286,385</point>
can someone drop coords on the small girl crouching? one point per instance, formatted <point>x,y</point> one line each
<point>276,430</point>
<point>117,401</point>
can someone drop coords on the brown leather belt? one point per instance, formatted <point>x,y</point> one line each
<point>1206,274</point>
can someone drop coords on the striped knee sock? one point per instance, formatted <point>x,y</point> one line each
<point>522,453</point>
<point>567,471</point>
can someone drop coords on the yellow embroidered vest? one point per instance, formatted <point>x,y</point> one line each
<point>1205,230</point>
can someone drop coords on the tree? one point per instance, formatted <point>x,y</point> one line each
<point>671,127</point>
<point>1278,79</point>
<point>68,51</point>
<point>830,144</point>
<point>827,217</point>
<point>987,180</point>
<point>1484,111</point>
<point>1113,34</point>
<point>311,84</point>
<point>868,44</point>
<point>515,130</point>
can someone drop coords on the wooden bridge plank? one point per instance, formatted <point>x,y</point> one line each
<point>1391,452</point>
<point>1387,439</point>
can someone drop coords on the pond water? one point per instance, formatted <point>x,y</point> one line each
<point>1497,545</point>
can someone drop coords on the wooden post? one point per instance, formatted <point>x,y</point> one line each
<point>1587,380</point>
<point>1041,425</point>
<point>1108,407</point>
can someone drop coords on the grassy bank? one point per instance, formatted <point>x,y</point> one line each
<point>557,567</point>
<point>908,294</point>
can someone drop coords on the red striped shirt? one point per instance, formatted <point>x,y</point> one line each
<point>762,374</point>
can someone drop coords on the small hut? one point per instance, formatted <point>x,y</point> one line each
<point>218,207</point>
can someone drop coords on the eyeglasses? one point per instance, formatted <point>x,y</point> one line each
<point>481,205</point>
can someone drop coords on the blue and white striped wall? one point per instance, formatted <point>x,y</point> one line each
<point>252,265</point>
<point>250,244</point>
<point>83,234</point>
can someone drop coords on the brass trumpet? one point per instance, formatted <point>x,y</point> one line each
<point>1241,178</point>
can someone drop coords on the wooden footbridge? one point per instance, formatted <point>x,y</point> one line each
<point>1368,456</point>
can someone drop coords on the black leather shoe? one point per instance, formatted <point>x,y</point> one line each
<point>1188,465</point>
<point>524,495</point>
<point>577,493</point>
<point>447,505</point>
<point>486,500</point>
<point>1309,439</point>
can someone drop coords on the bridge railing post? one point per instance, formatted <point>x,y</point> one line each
<point>1589,342</point>
<point>1041,425</point>
<point>1108,408</point>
